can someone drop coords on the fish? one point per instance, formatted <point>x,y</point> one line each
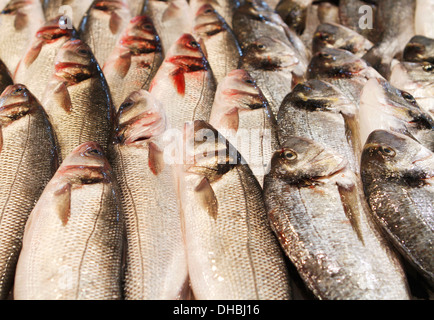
<point>74,10</point>
<point>382,106</point>
<point>361,17</point>
<point>397,174</point>
<point>423,18</point>
<point>28,160</point>
<point>319,111</point>
<point>5,77</point>
<point>37,65</point>
<point>72,245</point>
<point>102,25</point>
<point>225,8</point>
<point>218,41</point>
<point>172,19</point>
<point>231,250</point>
<point>184,83</point>
<point>241,113</point>
<point>156,262</point>
<point>316,210</point>
<point>19,21</point>
<point>137,7</point>
<point>77,99</point>
<point>276,68</point>
<point>333,35</point>
<point>419,49</point>
<point>135,60</point>
<point>294,13</point>
<point>397,17</point>
<point>416,78</point>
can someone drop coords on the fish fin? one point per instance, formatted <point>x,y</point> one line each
<point>115,23</point>
<point>179,80</point>
<point>32,54</point>
<point>156,159</point>
<point>350,203</point>
<point>207,197</point>
<point>63,203</point>
<point>21,21</point>
<point>123,64</point>
<point>231,120</point>
<point>62,97</point>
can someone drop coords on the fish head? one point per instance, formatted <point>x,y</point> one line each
<point>54,30</point>
<point>16,6</point>
<point>141,36</point>
<point>324,36</point>
<point>270,54</point>
<point>209,154</point>
<point>187,46</point>
<point>294,13</point>
<point>303,161</point>
<point>238,89</point>
<point>75,62</point>
<point>108,6</point>
<point>208,22</point>
<point>392,155</point>
<point>16,102</point>
<point>139,119</point>
<point>419,49</point>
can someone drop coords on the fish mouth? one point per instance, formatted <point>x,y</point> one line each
<point>209,28</point>
<point>109,6</point>
<point>52,33</point>
<point>250,100</point>
<point>141,128</point>
<point>73,72</point>
<point>140,45</point>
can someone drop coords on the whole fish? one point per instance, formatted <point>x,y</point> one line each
<point>77,99</point>
<point>332,35</point>
<point>397,175</point>
<point>184,83</point>
<point>156,264</point>
<point>225,8</point>
<point>318,111</point>
<point>72,246</point>
<point>28,160</point>
<point>73,9</point>
<point>423,18</point>
<point>135,60</point>
<point>294,13</point>
<point>419,49</point>
<point>382,106</point>
<point>242,115</point>
<point>216,37</point>
<point>397,18</point>
<point>102,25</point>
<point>19,21</point>
<point>231,250</point>
<point>360,16</point>
<point>416,78</point>
<point>37,65</point>
<point>316,209</point>
<point>172,18</point>
<point>5,77</point>
<point>275,66</point>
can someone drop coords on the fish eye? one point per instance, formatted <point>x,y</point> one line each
<point>261,46</point>
<point>408,97</point>
<point>249,81</point>
<point>387,151</point>
<point>83,51</point>
<point>209,10</point>
<point>18,90</point>
<point>193,44</point>
<point>325,55</point>
<point>290,155</point>
<point>93,152</point>
<point>428,68</point>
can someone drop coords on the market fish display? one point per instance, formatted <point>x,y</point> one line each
<point>156,263</point>
<point>231,250</point>
<point>135,60</point>
<point>77,99</point>
<point>37,65</point>
<point>314,205</point>
<point>397,175</point>
<point>28,160</point>
<point>72,246</point>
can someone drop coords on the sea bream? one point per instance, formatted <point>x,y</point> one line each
<point>19,21</point>
<point>28,160</point>
<point>102,25</point>
<point>184,83</point>
<point>135,60</point>
<point>241,113</point>
<point>37,65</point>
<point>316,209</point>
<point>72,245</point>
<point>231,250</point>
<point>156,261</point>
<point>398,174</point>
<point>77,99</point>
<point>419,49</point>
<point>218,41</point>
<point>225,8</point>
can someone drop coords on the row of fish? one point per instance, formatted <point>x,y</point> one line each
<point>199,150</point>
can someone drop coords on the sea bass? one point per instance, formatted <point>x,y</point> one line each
<point>156,263</point>
<point>37,65</point>
<point>28,160</point>
<point>77,99</point>
<point>72,246</point>
<point>316,209</point>
<point>231,250</point>
<point>398,175</point>
<point>135,60</point>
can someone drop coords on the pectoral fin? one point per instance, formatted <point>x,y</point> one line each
<point>350,203</point>
<point>207,198</point>
<point>63,203</point>
<point>156,159</point>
